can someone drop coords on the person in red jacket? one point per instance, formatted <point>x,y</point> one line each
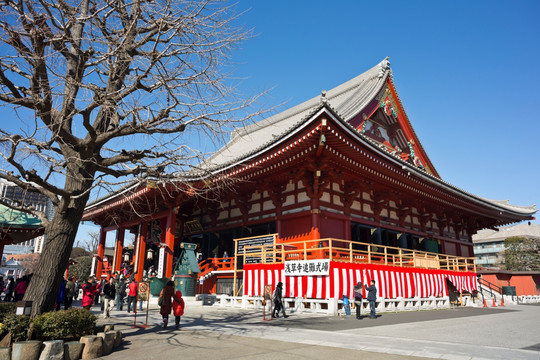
<point>178,308</point>
<point>132,296</point>
<point>89,292</point>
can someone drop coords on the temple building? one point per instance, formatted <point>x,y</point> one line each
<point>339,185</point>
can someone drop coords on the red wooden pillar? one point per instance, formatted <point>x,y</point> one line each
<point>100,253</point>
<point>278,229</point>
<point>140,255</point>
<point>169,241</point>
<point>347,230</point>
<point>315,219</point>
<point>119,247</point>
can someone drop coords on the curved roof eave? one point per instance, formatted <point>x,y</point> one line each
<point>518,210</point>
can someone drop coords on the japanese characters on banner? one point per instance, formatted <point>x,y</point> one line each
<point>161,262</point>
<point>307,267</point>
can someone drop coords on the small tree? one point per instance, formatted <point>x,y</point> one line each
<point>99,90</point>
<point>522,253</point>
<point>81,270</point>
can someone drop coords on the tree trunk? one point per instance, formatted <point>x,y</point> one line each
<point>59,237</point>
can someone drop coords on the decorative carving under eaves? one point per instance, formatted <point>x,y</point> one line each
<point>380,202</point>
<point>403,210</point>
<point>244,204</point>
<point>314,182</point>
<point>275,191</point>
<point>350,190</point>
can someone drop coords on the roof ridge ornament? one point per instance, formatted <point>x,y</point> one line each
<point>324,99</point>
<point>384,66</point>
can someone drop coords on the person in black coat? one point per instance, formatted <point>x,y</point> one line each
<point>372,297</point>
<point>278,301</point>
<point>358,299</point>
<point>109,294</point>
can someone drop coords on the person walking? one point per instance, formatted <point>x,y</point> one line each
<point>120,292</point>
<point>10,287</point>
<point>132,296</point>
<point>69,292</point>
<point>278,301</point>
<point>109,294</point>
<point>77,288</point>
<point>372,297</point>
<point>166,297</point>
<point>20,287</point>
<point>358,299</point>
<point>89,291</point>
<point>61,295</point>
<point>178,308</point>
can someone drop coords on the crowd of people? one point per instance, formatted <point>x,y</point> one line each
<point>14,289</point>
<point>119,291</point>
<point>111,294</point>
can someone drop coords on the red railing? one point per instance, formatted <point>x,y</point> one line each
<point>215,264</point>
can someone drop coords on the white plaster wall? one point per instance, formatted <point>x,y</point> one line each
<point>235,212</point>
<point>367,208</point>
<point>303,197</point>
<point>337,200</point>
<point>325,197</point>
<point>289,200</point>
<point>267,205</point>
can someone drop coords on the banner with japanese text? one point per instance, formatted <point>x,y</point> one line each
<point>307,267</point>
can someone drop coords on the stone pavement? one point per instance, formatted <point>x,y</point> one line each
<point>211,332</point>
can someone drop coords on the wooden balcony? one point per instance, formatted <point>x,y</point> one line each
<point>353,252</point>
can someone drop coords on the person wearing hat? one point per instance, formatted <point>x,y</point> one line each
<point>278,301</point>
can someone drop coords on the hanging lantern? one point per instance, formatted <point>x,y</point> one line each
<point>150,254</point>
<point>126,257</point>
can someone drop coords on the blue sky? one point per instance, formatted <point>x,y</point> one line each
<point>467,73</point>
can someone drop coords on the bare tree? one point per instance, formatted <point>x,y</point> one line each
<point>90,244</point>
<point>97,91</point>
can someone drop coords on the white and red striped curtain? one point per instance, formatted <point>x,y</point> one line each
<point>391,282</point>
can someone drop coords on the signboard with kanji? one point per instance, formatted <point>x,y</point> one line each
<point>254,241</point>
<point>307,267</point>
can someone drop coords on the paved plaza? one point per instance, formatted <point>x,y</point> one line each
<point>211,332</point>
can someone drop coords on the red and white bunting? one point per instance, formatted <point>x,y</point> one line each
<point>392,282</point>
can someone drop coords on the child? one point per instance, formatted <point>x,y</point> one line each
<point>178,308</point>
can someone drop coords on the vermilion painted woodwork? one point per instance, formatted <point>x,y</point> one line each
<point>120,234</point>
<point>141,251</point>
<point>100,252</point>
<point>169,240</point>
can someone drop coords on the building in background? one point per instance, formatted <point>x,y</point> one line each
<point>10,193</point>
<point>10,268</point>
<point>489,243</point>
